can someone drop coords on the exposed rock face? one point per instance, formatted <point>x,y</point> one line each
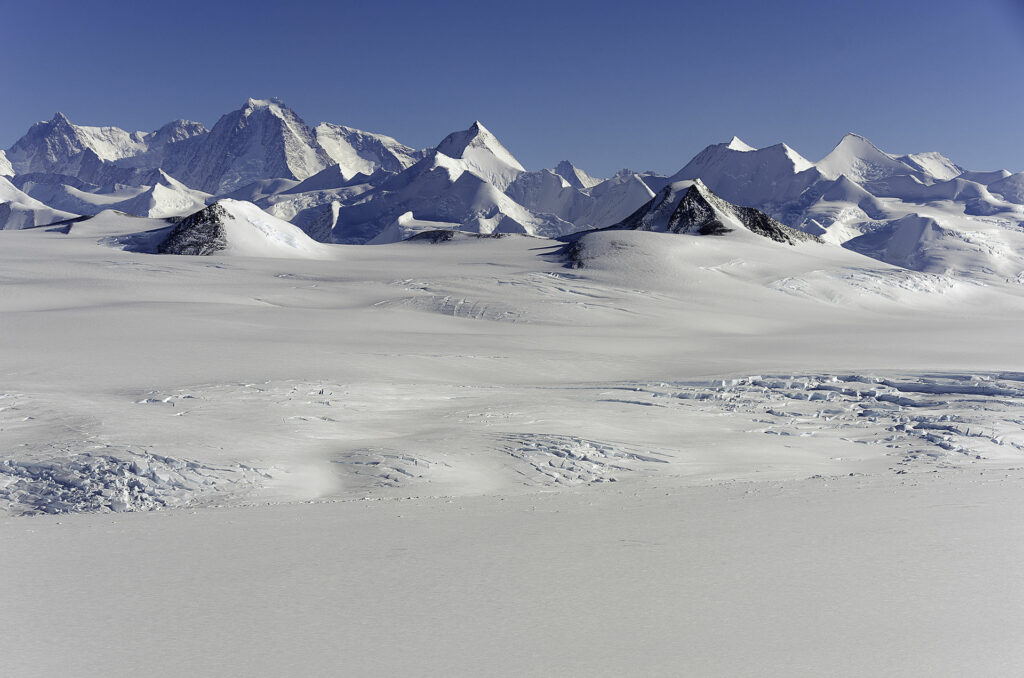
<point>201,233</point>
<point>691,207</point>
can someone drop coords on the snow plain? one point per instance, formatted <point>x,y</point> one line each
<point>691,456</point>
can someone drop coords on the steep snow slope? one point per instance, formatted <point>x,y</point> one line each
<point>263,139</point>
<point>1009,188</point>
<point>357,152</point>
<point>576,177</point>
<point>6,169</point>
<point>20,210</point>
<point>933,164</point>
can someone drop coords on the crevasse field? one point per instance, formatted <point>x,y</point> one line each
<point>689,456</point>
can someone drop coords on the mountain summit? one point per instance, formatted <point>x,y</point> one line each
<point>483,154</point>
<point>262,139</point>
<point>57,145</point>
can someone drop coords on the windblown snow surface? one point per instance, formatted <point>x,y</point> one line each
<point>689,455</point>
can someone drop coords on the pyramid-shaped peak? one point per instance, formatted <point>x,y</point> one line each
<point>800,163</point>
<point>455,143</point>
<point>576,177</point>
<point>861,161</point>
<point>737,144</point>
<point>853,136</point>
<point>475,140</point>
<point>165,179</point>
<point>60,119</point>
<point>852,142</point>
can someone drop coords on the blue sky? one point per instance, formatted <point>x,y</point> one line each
<point>644,85</point>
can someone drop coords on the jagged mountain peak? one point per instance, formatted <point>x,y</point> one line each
<point>59,119</point>
<point>853,142</point>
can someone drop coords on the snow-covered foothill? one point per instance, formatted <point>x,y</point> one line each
<point>168,197</point>
<point>20,210</point>
<point>407,226</point>
<point>236,228</point>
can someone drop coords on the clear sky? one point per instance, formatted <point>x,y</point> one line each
<point>606,84</point>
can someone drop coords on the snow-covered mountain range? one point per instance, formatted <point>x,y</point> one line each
<point>342,185</point>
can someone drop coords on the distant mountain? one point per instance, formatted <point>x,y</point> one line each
<point>600,204</point>
<point>340,184</point>
<point>358,152</point>
<point>263,139</point>
<point>576,177</point>
<point>770,178</point>
<point>482,153</point>
<point>861,161</point>
<point>57,146</point>
<point>442,188</point>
